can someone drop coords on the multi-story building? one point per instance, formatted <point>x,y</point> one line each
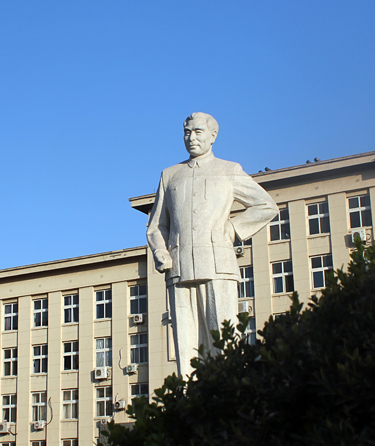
<point>82,337</point>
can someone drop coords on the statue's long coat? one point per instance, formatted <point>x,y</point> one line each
<point>192,205</point>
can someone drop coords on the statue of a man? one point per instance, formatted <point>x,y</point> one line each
<point>191,235</point>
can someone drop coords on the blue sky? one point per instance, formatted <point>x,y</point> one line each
<point>94,93</point>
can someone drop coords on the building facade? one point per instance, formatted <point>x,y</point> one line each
<point>82,337</point>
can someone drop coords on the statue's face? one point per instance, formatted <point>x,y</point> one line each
<point>198,137</point>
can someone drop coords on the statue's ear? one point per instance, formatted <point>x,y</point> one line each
<point>214,135</point>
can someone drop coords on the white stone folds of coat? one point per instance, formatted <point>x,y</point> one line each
<point>191,208</point>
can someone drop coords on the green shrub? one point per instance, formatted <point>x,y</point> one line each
<point>310,381</point>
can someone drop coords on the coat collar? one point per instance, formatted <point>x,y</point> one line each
<point>200,160</point>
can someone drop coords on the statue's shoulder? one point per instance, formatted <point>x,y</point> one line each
<point>230,167</point>
<point>171,171</point>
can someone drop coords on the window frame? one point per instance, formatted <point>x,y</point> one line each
<point>12,316</point>
<point>133,396</point>
<point>72,354</point>
<point>283,275</point>
<point>322,270</point>
<point>319,216</point>
<point>38,443</point>
<point>138,299</point>
<point>41,359</point>
<point>71,309</point>
<point>72,442</point>
<point>39,407</point>
<point>250,331</point>
<point>246,284</point>
<point>138,349</point>
<point>244,243</point>
<point>41,312</point>
<point>70,404</point>
<point>11,407</point>
<point>360,210</point>
<point>104,401</point>
<point>12,360</point>
<point>283,226</point>
<point>105,302</point>
<point>105,350</point>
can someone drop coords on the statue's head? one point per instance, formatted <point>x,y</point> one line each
<point>200,131</point>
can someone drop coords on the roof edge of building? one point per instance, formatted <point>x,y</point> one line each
<point>73,261</point>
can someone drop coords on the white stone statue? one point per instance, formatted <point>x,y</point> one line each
<point>191,235</point>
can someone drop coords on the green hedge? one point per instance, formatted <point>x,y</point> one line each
<point>310,381</point>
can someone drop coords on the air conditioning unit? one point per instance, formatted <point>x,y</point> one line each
<point>239,251</point>
<point>4,427</point>
<point>131,368</point>
<point>101,372</point>
<point>138,319</point>
<point>120,405</point>
<point>38,425</point>
<point>359,232</point>
<point>243,307</point>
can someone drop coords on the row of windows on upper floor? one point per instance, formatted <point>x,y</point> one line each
<point>103,403</point>
<point>64,442</point>
<point>70,355</point>
<point>138,304</point>
<point>282,276</point>
<point>359,210</point>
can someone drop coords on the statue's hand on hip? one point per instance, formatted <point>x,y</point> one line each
<point>163,260</point>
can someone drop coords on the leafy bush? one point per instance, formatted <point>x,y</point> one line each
<point>310,381</point>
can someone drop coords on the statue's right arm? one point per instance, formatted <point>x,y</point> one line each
<point>158,230</point>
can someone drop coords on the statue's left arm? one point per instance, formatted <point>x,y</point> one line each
<point>260,207</point>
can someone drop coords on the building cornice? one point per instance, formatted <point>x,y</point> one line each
<point>82,261</point>
<point>289,176</point>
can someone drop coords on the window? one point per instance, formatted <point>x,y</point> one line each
<point>10,362</point>
<point>11,316</point>
<point>71,355</point>
<point>70,404</point>
<point>246,284</point>
<point>318,218</point>
<point>279,226</point>
<point>39,406</point>
<point>104,401</point>
<point>104,352</point>
<point>320,266</point>
<point>360,211</point>
<point>138,348</point>
<point>70,442</point>
<point>71,309</point>
<point>237,242</point>
<point>40,358</point>
<point>137,390</point>
<point>138,299</point>
<point>39,443</point>
<point>250,332</point>
<point>41,313</point>
<point>282,274</point>
<point>9,408</point>
<point>103,304</point>
<point>8,443</point>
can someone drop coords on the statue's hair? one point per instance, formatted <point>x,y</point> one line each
<point>210,120</point>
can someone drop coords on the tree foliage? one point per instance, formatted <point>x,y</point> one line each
<point>309,381</point>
